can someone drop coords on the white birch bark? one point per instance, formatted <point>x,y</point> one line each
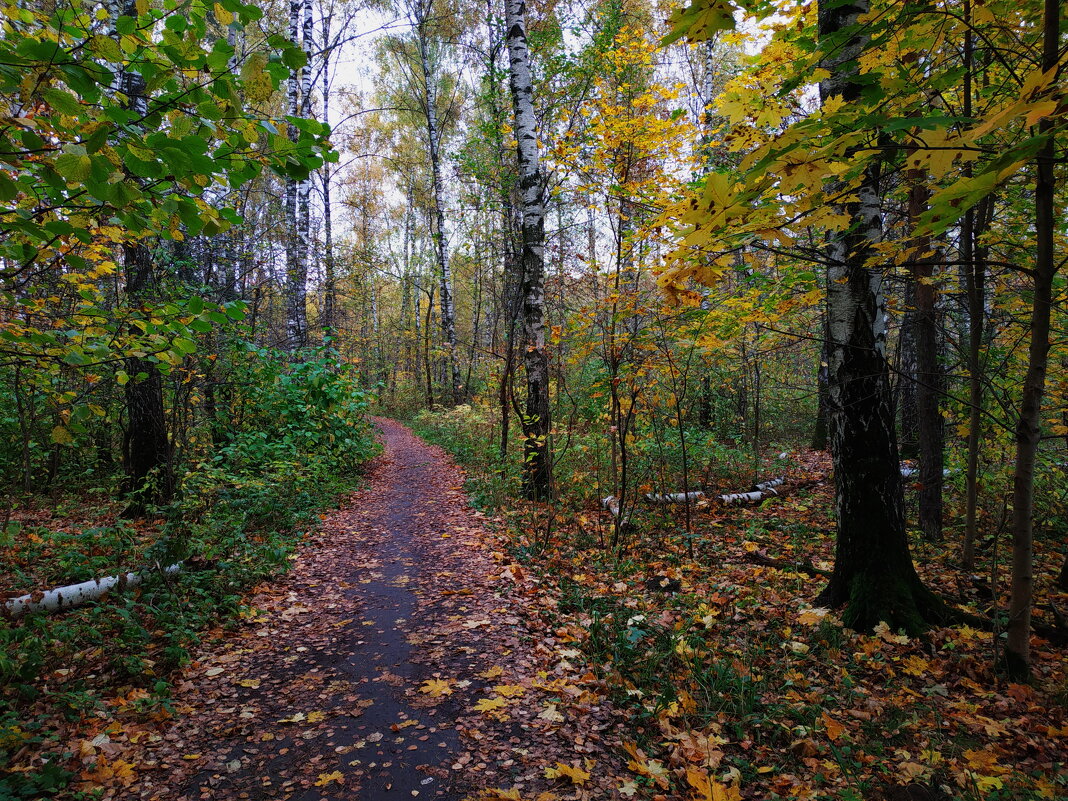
<point>441,250</point>
<point>62,598</point>
<point>537,462</point>
<point>303,232</point>
<point>296,277</point>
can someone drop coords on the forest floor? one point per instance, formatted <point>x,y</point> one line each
<point>398,658</point>
<point>418,648</point>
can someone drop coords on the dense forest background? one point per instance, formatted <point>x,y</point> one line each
<point>629,262</point>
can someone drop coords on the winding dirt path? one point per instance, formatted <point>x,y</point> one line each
<point>360,672</point>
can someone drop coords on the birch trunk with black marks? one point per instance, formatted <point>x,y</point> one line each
<point>296,267</point>
<point>1029,424</point>
<point>329,268</point>
<point>874,578</point>
<point>441,251</point>
<point>537,454</point>
<point>304,189</point>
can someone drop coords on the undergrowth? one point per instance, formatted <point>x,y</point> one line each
<point>725,665</point>
<point>242,510</point>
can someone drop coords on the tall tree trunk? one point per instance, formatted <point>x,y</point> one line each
<point>928,371</point>
<point>1028,426</point>
<point>873,577</point>
<point>441,252</point>
<point>148,454</point>
<point>296,267</point>
<point>908,412</point>
<point>537,454</point>
<point>329,267</point>
<point>973,256</point>
<point>304,191</point>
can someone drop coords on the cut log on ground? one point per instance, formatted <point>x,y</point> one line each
<point>739,498</point>
<point>756,495</point>
<point>62,598</point>
<point>769,486</point>
<point>674,497</point>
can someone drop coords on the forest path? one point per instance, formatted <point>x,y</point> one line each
<point>318,695</point>
<point>403,656</point>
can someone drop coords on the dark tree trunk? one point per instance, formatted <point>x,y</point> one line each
<point>1029,425</point>
<point>873,578</point>
<point>908,413</point>
<point>147,451</point>
<point>929,436</point>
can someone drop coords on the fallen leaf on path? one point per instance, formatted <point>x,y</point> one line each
<point>436,688</point>
<point>564,771</point>
<point>326,779</point>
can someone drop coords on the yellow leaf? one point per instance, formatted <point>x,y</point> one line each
<point>224,16</point>
<point>510,690</point>
<point>563,771</point>
<point>812,617</point>
<point>315,717</point>
<point>436,688</point>
<point>62,436</point>
<point>708,789</point>
<point>326,779</point>
<point>490,704</point>
<point>915,665</point>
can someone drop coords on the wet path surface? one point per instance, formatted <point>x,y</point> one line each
<point>320,695</point>
<point>404,655</point>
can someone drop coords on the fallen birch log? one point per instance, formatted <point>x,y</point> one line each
<point>61,598</point>
<point>757,494</point>
<point>738,498</point>
<point>674,497</point>
<point>769,486</point>
<point>611,505</point>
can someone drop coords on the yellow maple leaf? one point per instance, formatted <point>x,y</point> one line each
<point>492,673</point>
<point>315,717</point>
<point>564,771</point>
<point>510,690</point>
<point>708,789</point>
<point>436,688</point>
<point>812,617</point>
<point>334,777</point>
<point>915,665</point>
<point>490,704</point>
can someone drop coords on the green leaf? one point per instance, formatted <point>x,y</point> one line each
<point>63,102</point>
<point>74,167</point>
<point>185,345</point>
<point>106,48</point>
<point>8,189</point>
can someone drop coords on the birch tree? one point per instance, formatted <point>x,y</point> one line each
<point>296,263</point>
<point>537,455</point>
<point>421,12</point>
